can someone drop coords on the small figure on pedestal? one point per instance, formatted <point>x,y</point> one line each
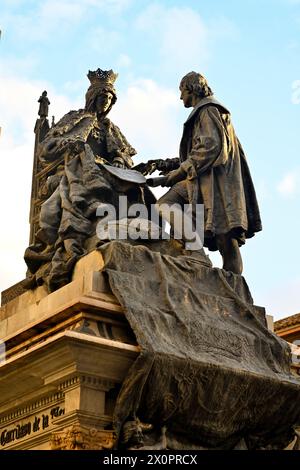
<point>44,105</point>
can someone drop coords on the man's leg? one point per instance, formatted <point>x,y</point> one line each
<point>171,207</point>
<point>230,251</point>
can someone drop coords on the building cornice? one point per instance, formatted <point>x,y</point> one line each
<point>292,321</point>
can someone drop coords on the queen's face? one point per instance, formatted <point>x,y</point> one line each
<point>103,102</point>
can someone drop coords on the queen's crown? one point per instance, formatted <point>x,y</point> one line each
<point>102,76</point>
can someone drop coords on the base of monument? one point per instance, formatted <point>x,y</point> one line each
<point>74,359</point>
<point>66,356</point>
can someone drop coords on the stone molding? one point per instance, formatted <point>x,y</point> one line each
<point>87,380</point>
<point>33,407</point>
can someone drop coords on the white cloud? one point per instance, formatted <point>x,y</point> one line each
<point>290,183</point>
<point>16,167</point>
<point>147,115</point>
<point>180,32</point>
<point>183,39</point>
<point>18,111</point>
<point>76,86</point>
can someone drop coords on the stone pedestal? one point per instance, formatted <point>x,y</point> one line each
<point>198,366</point>
<point>66,355</point>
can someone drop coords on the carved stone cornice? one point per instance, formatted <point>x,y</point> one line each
<point>77,437</point>
<point>293,320</point>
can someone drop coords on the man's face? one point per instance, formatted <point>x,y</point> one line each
<point>103,102</point>
<point>186,96</point>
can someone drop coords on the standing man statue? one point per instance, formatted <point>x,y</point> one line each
<point>212,170</point>
<point>44,105</point>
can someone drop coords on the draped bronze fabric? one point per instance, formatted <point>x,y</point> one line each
<point>209,369</point>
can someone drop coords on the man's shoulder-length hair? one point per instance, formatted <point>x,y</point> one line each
<point>197,84</point>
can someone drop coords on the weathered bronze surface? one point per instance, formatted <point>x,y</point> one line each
<point>210,374</point>
<point>44,105</point>
<point>212,170</point>
<point>73,159</point>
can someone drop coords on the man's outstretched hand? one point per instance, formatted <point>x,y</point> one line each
<point>151,166</point>
<point>146,168</point>
<point>175,176</point>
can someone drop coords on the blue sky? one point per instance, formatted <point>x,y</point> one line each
<point>248,50</point>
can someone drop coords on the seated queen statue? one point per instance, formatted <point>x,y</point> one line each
<point>84,140</point>
<point>91,126</point>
